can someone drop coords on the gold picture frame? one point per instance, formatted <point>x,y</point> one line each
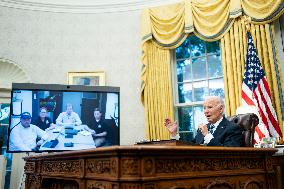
<point>96,78</point>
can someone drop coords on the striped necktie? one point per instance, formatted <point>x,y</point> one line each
<point>210,128</point>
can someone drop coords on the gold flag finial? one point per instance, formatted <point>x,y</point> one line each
<point>247,21</point>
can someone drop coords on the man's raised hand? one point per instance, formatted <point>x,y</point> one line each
<point>171,126</point>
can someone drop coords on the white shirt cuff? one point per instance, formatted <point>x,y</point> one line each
<point>176,137</point>
<point>208,138</point>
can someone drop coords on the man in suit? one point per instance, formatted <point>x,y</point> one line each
<point>218,131</point>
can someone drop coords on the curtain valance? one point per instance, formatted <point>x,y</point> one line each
<point>169,25</point>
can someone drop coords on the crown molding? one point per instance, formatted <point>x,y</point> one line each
<point>83,6</point>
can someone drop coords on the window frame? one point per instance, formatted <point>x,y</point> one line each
<point>175,85</point>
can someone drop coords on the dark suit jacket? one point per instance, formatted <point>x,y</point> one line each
<point>226,134</point>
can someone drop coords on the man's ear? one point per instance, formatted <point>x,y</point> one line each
<point>222,108</point>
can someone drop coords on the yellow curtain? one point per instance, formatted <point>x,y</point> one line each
<point>209,19</point>
<point>262,11</point>
<point>166,27</point>
<point>157,90</point>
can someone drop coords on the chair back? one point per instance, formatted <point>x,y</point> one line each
<point>247,122</point>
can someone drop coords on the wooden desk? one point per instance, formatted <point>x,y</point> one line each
<point>278,166</point>
<point>153,167</point>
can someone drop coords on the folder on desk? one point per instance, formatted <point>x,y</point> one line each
<point>51,143</point>
<point>71,131</point>
<point>68,144</point>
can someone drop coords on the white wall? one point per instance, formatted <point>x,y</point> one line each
<point>47,45</point>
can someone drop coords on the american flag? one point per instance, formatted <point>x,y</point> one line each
<point>256,92</point>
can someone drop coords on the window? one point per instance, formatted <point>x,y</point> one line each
<point>198,74</point>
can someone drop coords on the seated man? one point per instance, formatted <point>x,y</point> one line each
<point>69,117</point>
<point>23,137</point>
<point>98,128</point>
<point>43,121</point>
<point>218,132</point>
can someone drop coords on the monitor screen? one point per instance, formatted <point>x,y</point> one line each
<point>51,117</point>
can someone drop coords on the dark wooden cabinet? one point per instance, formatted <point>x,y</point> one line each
<point>278,166</point>
<point>153,167</point>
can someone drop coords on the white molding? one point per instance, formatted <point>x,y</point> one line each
<point>11,72</point>
<point>83,6</point>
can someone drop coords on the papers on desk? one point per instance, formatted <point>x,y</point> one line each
<point>280,149</point>
<point>68,139</point>
<point>56,130</point>
<point>85,133</point>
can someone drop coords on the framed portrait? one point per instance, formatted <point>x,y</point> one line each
<point>96,78</point>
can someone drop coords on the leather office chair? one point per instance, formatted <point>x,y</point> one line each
<point>247,122</point>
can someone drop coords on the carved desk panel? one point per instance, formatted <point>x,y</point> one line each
<point>153,167</point>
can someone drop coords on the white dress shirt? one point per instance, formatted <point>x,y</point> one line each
<point>209,136</point>
<point>24,139</point>
<point>66,118</point>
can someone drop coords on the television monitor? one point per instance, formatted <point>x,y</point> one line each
<point>52,117</point>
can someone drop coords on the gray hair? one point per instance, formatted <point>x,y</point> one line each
<point>218,99</point>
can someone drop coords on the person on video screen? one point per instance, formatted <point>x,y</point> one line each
<point>26,136</point>
<point>98,128</point>
<point>69,117</point>
<point>218,132</point>
<point>43,121</point>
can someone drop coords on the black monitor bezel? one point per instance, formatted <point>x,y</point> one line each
<point>63,88</point>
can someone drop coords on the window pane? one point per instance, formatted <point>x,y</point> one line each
<point>215,66</point>
<point>216,87</point>
<point>185,92</point>
<point>212,47</point>
<point>199,117</point>
<point>185,118</point>
<point>183,51</point>
<point>200,90</point>
<point>199,68</point>
<point>197,46</point>
<point>183,70</point>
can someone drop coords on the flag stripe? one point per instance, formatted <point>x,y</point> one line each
<point>247,99</point>
<point>263,115</point>
<point>267,117</point>
<point>259,133</point>
<point>271,119</point>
